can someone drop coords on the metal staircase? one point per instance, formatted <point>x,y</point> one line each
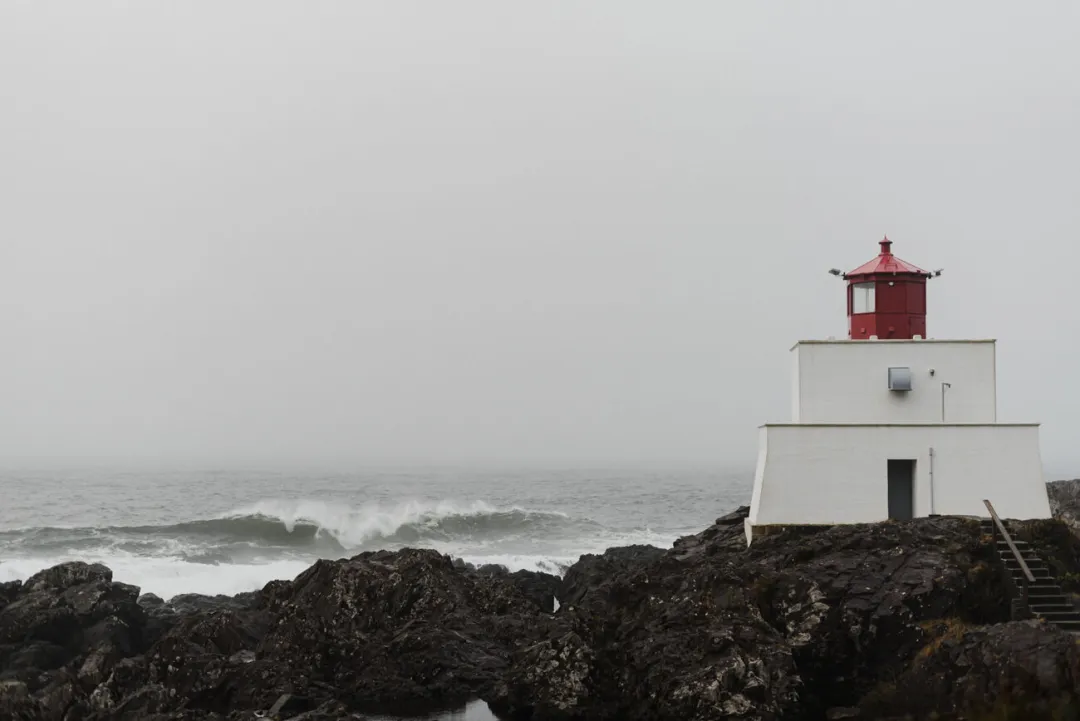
<point>1032,587</point>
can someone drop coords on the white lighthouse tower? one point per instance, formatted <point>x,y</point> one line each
<point>887,424</point>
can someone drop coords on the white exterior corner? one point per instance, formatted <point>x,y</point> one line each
<point>796,386</point>
<point>836,473</point>
<point>831,463</point>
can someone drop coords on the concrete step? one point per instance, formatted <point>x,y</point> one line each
<point>1059,616</point>
<point>1020,579</point>
<point>1038,573</point>
<point>1045,598</point>
<point>1025,551</point>
<point>1032,561</point>
<point>1050,607</point>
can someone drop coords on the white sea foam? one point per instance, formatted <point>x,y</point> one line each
<point>169,576</point>
<point>354,526</point>
<point>166,576</point>
<point>476,532</point>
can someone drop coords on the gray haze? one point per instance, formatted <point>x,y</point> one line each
<point>483,231</point>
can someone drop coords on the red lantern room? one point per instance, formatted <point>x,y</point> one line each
<point>886,298</point>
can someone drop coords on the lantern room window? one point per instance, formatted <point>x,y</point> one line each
<point>862,298</point>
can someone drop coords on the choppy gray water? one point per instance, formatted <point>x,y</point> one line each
<point>226,532</point>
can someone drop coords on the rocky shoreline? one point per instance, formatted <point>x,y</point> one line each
<point>880,621</point>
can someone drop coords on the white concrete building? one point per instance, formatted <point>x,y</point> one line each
<point>894,427</point>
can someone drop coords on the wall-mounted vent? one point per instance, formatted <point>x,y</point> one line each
<point>899,379</point>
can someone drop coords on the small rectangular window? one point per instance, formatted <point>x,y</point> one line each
<point>862,298</point>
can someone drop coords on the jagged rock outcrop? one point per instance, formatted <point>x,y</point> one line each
<point>540,588</point>
<point>8,591</point>
<point>62,634</point>
<point>163,615</point>
<point>807,624</point>
<point>1024,670</point>
<point>853,600</point>
<point>726,535</point>
<point>1057,541</point>
<point>186,604</point>
<point>379,630</point>
<point>653,641</point>
<point>1065,502</point>
<point>804,621</point>
<point>593,571</point>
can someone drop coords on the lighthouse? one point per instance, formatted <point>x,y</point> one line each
<point>889,424</point>
<point>887,298</point>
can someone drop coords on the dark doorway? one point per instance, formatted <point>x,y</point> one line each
<point>901,489</point>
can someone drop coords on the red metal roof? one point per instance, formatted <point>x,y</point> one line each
<point>886,262</point>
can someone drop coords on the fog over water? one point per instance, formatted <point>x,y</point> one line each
<point>344,233</point>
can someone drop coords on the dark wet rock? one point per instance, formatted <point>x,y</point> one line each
<point>853,600</point>
<point>164,615</point>
<point>191,665</point>
<point>67,575</point>
<point>656,642</point>
<point>1057,541</point>
<point>1064,499</point>
<point>491,569</point>
<point>1024,670</point>
<point>551,679</point>
<point>189,603</point>
<point>540,588</point>
<point>804,621</point>
<point>71,614</point>
<point>26,659</point>
<point>389,627</point>
<point>151,602</point>
<point>374,631</point>
<point>593,571</point>
<point>8,591</point>
<point>1056,544</point>
<point>186,604</point>
<point>807,624</point>
<point>727,534</point>
<point>16,703</point>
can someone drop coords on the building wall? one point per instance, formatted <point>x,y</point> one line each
<point>796,387</point>
<point>847,381</point>
<point>837,473</point>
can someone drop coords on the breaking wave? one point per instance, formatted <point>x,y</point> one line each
<point>276,538</point>
<point>316,525</point>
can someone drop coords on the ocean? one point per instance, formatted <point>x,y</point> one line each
<point>217,531</point>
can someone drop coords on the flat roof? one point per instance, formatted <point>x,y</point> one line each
<point>840,341</point>
<point>899,425</point>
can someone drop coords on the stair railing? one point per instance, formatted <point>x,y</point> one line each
<point>1027,579</point>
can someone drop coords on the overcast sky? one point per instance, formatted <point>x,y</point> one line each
<point>553,231</point>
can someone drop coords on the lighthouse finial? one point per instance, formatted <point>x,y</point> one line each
<point>886,246</point>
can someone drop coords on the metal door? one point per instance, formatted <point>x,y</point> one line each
<point>901,489</point>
